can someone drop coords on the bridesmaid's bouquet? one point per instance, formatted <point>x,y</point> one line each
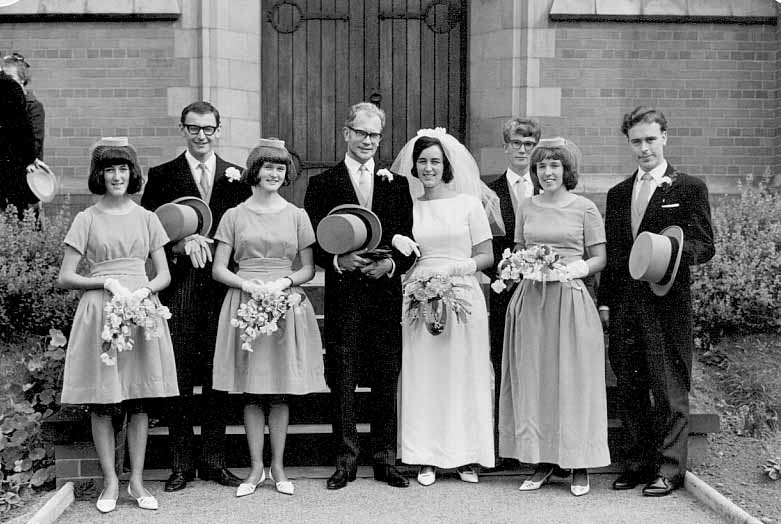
<point>429,297</point>
<point>261,313</point>
<point>537,262</point>
<point>123,313</point>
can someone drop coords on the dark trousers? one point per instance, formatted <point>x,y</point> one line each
<point>498,303</point>
<point>652,383</point>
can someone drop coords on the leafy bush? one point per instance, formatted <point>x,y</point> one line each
<point>739,290</point>
<point>30,303</point>
<point>31,379</point>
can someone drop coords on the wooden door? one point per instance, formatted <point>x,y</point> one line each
<point>320,56</point>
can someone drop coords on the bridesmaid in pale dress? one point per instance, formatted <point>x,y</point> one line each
<point>266,234</point>
<point>116,236</point>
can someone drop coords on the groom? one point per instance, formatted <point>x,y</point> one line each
<point>363,299</point>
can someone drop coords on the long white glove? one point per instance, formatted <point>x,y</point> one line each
<point>405,245</point>
<point>113,286</point>
<point>253,287</point>
<point>141,293</point>
<point>577,269</point>
<point>464,267</point>
<point>197,248</point>
<point>278,286</point>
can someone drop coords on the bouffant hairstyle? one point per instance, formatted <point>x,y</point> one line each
<point>557,151</point>
<point>267,151</point>
<point>645,114</point>
<point>521,127</point>
<point>423,143</point>
<point>106,156</point>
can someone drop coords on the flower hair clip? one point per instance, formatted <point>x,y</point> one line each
<point>385,175</point>
<point>232,174</point>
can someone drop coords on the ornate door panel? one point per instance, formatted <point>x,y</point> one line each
<point>320,56</point>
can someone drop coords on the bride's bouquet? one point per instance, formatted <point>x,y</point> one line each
<point>123,313</point>
<point>429,297</point>
<point>261,313</point>
<point>537,262</point>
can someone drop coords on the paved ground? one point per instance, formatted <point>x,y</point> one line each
<point>495,500</point>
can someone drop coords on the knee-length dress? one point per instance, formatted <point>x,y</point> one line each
<point>290,360</point>
<point>115,245</point>
<point>446,385</point>
<point>552,403</point>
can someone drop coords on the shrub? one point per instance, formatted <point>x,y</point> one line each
<point>739,290</point>
<point>31,378</point>
<point>30,303</point>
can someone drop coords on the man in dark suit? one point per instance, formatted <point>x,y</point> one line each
<point>194,297</point>
<point>520,136</point>
<point>17,146</point>
<point>651,336</point>
<point>363,299</point>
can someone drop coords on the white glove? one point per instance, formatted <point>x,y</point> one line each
<point>113,286</point>
<point>278,286</point>
<point>464,267</point>
<point>577,269</point>
<point>405,245</point>
<point>253,287</point>
<point>141,293</point>
<point>197,248</point>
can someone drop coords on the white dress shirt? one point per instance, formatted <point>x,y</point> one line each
<point>210,163</point>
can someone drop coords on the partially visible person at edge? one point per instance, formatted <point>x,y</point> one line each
<point>17,146</point>
<point>116,236</point>
<point>15,66</point>
<point>195,298</point>
<point>651,336</point>
<point>265,234</point>
<point>446,385</point>
<point>552,404</point>
<point>363,299</point>
<point>520,135</point>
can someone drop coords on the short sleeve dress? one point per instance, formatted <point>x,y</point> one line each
<point>552,403</point>
<point>290,360</point>
<point>115,245</point>
<point>446,385</point>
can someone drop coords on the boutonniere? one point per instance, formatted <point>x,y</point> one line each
<point>666,182</point>
<point>233,174</point>
<point>385,175</point>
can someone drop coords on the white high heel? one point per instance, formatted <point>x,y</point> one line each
<point>427,475</point>
<point>468,474</point>
<point>248,488</point>
<point>577,489</point>
<point>533,485</point>
<point>283,486</point>
<point>144,501</point>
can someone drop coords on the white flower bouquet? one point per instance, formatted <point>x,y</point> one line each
<point>261,313</point>
<point>537,262</point>
<point>123,313</point>
<point>429,297</point>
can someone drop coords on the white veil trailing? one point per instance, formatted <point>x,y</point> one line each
<point>466,174</point>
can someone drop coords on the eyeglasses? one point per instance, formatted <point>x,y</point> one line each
<point>194,130</point>
<point>360,133</point>
<point>518,144</point>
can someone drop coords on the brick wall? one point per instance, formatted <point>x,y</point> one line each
<point>101,79</point>
<point>716,84</point>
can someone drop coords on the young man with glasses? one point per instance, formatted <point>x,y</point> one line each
<point>363,299</point>
<point>194,298</point>
<point>520,136</point>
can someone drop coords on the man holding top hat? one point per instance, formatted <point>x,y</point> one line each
<point>658,224</point>
<point>362,290</point>
<point>197,180</point>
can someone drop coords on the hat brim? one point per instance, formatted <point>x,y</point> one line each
<point>677,233</point>
<point>202,208</point>
<point>43,183</point>
<point>375,227</point>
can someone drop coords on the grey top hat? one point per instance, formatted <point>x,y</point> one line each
<point>656,258</point>
<point>348,228</point>
<point>185,216</point>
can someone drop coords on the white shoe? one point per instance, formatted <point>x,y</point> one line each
<point>144,501</point>
<point>468,474</point>
<point>283,486</point>
<point>248,488</point>
<point>533,485</point>
<point>427,475</point>
<point>577,489</point>
<point>105,505</point>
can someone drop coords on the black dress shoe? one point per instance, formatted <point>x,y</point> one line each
<point>220,476</point>
<point>340,478</point>
<point>630,480</point>
<point>178,480</point>
<point>391,475</point>
<point>660,487</point>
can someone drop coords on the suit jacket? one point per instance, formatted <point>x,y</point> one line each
<point>502,189</point>
<point>193,326</point>
<point>17,145</point>
<point>682,203</point>
<point>392,204</point>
